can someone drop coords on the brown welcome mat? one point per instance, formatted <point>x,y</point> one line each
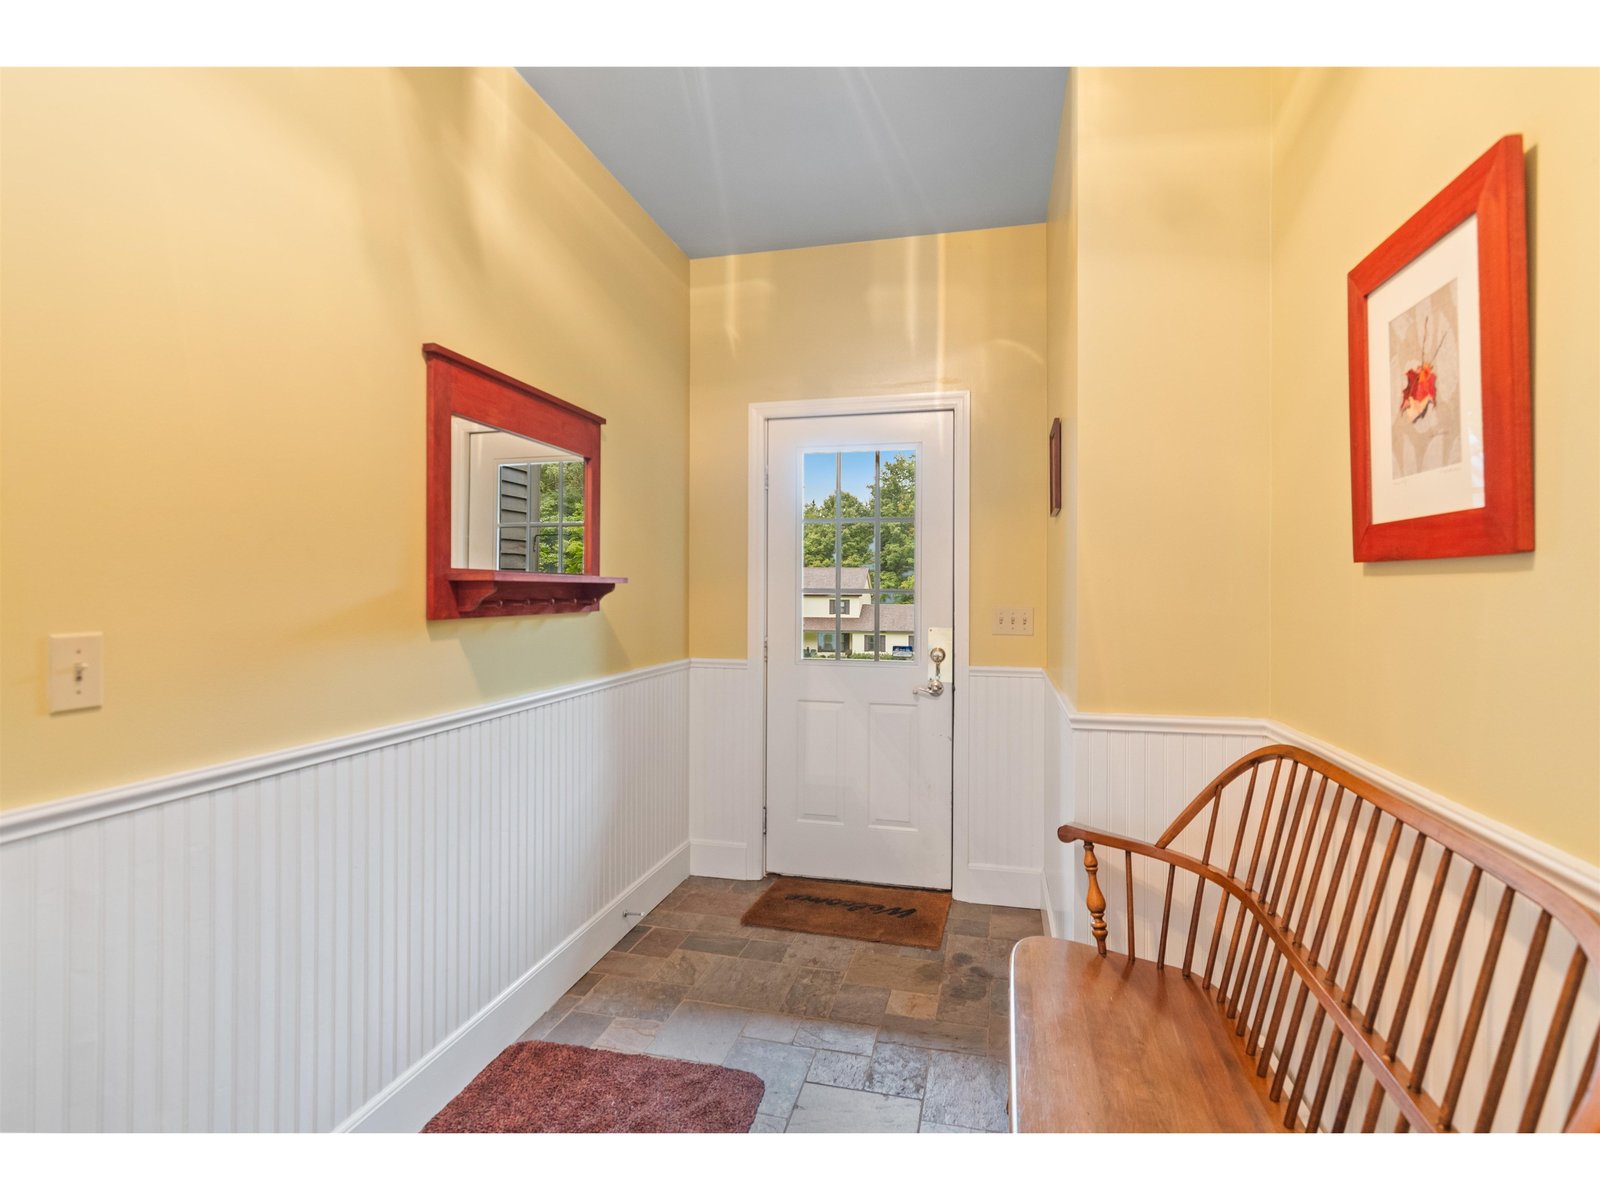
<point>544,1087</point>
<point>899,916</point>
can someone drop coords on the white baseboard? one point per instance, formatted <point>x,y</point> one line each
<point>407,1104</point>
<point>1010,887</point>
<point>720,860</point>
<point>1046,908</point>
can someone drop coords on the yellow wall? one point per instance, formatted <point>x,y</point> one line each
<point>953,311</point>
<point>1479,678</point>
<point>1060,623</point>
<point>216,287</point>
<point>211,410</point>
<point>1201,229</point>
<point>1168,218</point>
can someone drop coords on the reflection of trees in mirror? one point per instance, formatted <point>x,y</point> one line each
<point>556,527</point>
<point>560,492</point>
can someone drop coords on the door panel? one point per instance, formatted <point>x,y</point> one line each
<point>891,738</point>
<point>860,566</point>
<point>817,732</point>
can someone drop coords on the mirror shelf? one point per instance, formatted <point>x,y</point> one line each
<point>480,593</point>
<point>513,484</point>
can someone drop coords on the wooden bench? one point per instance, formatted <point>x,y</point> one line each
<point>1328,957</point>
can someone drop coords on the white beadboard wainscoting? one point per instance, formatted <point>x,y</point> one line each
<point>998,853</point>
<point>727,748</point>
<point>999,791</point>
<point>1133,774</point>
<point>339,936</point>
<point>1129,775</point>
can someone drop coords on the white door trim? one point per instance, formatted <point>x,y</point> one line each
<point>960,404</point>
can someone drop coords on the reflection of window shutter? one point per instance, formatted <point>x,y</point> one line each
<point>514,500</point>
<point>531,539</point>
<point>513,494</point>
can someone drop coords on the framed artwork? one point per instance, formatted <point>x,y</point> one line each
<point>1055,466</point>
<point>1441,451</point>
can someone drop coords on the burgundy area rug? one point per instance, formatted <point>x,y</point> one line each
<point>543,1087</point>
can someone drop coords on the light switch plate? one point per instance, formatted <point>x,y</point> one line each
<point>76,672</point>
<point>1013,622</point>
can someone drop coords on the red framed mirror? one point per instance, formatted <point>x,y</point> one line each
<point>513,496</point>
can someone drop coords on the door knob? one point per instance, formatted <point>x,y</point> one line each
<point>934,686</point>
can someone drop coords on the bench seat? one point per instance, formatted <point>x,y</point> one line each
<point>1100,1045</point>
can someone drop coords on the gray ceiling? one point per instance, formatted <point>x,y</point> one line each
<point>729,160</point>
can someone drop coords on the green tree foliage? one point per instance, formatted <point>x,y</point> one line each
<point>897,555</point>
<point>561,500</point>
<point>898,494</point>
<point>829,525</point>
<point>819,544</point>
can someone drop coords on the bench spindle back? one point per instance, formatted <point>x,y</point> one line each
<point>1384,969</point>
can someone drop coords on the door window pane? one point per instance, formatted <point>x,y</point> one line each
<point>897,554</point>
<point>897,484</point>
<point>855,547</point>
<point>858,555</point>
<point>819,483</point>
<point>896,625</point>
<point>857,473</point>
<point>819,547</point>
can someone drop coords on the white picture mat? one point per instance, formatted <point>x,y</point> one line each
<point>1445,489</point>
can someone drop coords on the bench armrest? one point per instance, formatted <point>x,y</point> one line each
<point>1094,898</point>
<point>1100,837</point>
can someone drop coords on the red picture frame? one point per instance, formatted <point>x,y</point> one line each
<point>1492,190</point>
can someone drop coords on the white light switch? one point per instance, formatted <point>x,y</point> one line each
<point>76,676</point>
<point>1013,622</point>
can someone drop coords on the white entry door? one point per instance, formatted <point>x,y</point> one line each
<point>860,569</point>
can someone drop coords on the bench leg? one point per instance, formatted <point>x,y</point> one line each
<point>1095,898</point>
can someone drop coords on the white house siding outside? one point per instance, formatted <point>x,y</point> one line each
<point>857,622</point>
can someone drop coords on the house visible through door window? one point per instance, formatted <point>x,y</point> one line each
<point>539,522</point>
<point>858,554</point>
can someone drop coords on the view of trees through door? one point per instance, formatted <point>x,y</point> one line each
<point>858,549</point>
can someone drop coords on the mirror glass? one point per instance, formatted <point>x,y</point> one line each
<point>516,504</point>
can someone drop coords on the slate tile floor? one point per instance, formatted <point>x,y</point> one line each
<point>850,1037</point>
